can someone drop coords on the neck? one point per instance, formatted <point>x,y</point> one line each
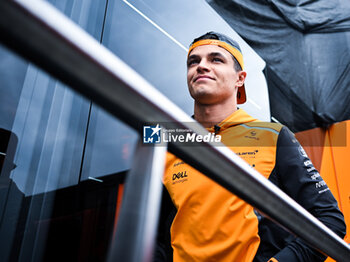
<point>210,115</point>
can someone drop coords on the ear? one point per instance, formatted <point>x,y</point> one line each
<point>241,78</point>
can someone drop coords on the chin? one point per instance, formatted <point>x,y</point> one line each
<point>204,99</point>
<point>200,92</point>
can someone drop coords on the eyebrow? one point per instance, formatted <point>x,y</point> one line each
<point>216,54</point>
<point>192,57</point>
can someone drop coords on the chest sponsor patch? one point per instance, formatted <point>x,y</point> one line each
<point>180,177</point>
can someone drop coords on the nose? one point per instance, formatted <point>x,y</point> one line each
<point>203,66</point>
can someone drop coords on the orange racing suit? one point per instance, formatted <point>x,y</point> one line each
<point>208,223</point>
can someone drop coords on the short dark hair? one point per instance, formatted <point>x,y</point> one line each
<point>224,38</point>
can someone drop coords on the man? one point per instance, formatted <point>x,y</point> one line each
<point>208,223</point>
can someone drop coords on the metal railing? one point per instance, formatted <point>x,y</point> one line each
<point>43,35</point>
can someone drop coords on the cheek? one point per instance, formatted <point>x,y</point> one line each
<point>227,80</point>
<point>189,76</point>
<point>231,79</point>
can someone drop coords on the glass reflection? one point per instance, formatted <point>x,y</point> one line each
<point>43,127</point>
<point>110,146</point>
<point>158,59</point>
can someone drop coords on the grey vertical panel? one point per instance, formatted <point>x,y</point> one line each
<point>138,219</point>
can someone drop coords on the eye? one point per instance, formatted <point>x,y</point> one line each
<point>192,62</point>
<point>217,59</point>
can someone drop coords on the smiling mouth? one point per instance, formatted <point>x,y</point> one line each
<point>202,77</point>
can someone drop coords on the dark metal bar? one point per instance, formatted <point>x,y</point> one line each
<point>137,223</point>
<point>40,33</point>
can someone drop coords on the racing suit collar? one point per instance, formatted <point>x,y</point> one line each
<point>236,118</point>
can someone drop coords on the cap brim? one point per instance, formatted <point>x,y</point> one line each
<point>241,96</point>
